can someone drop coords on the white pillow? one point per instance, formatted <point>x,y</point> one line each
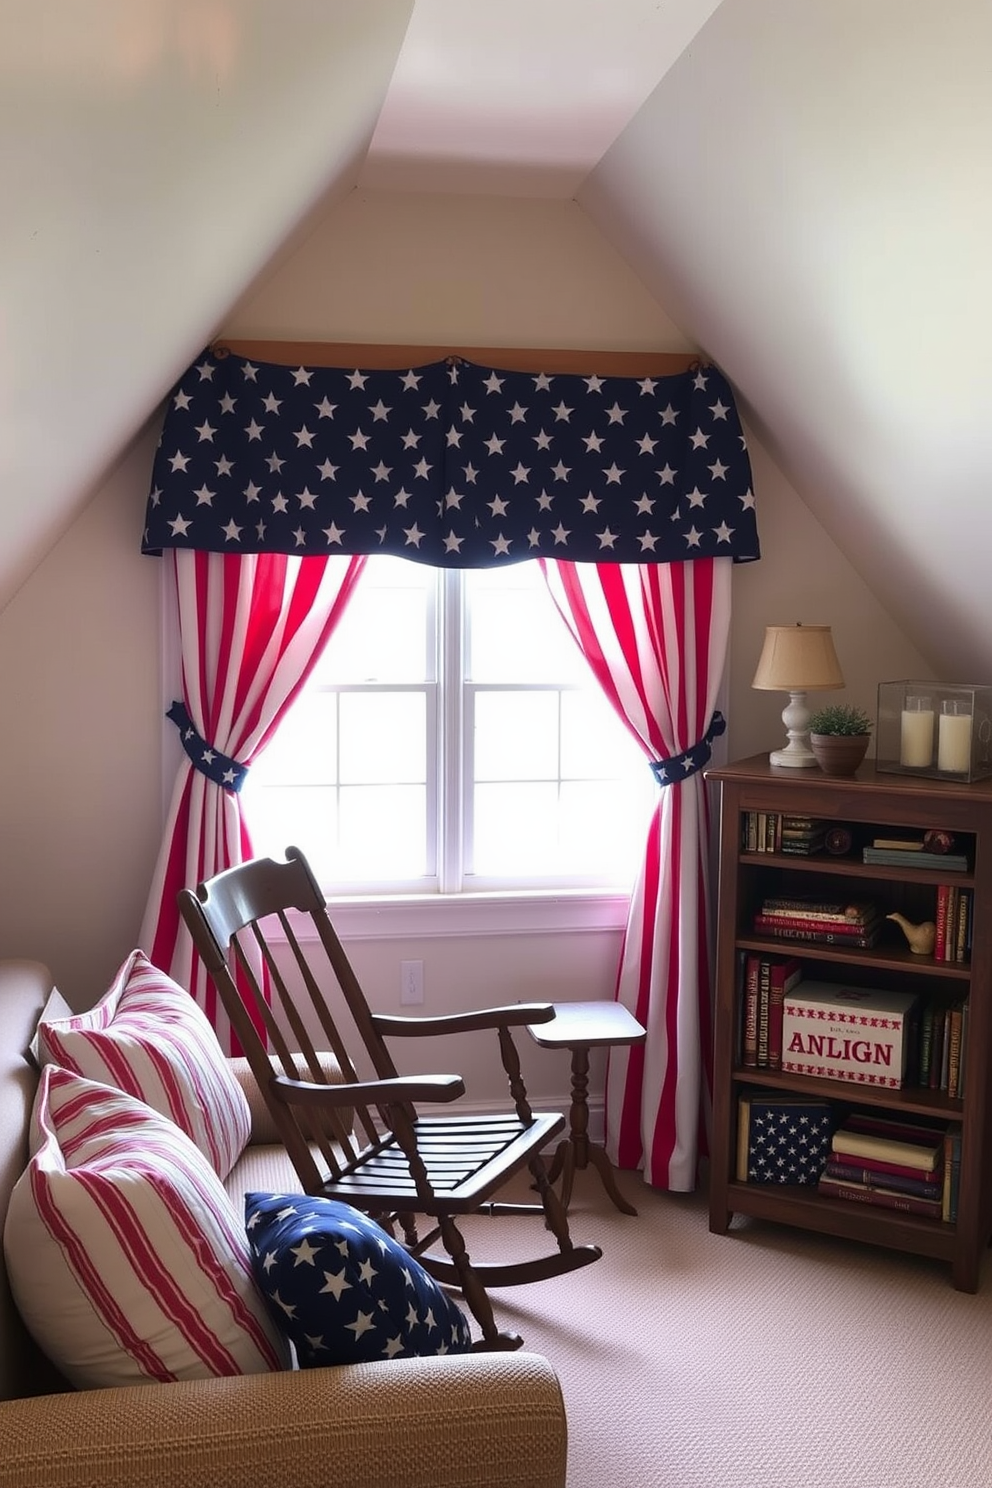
<point>149,1038</point>
<point>127,1260</point>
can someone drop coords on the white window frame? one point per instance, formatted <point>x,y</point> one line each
<point>375,916</point>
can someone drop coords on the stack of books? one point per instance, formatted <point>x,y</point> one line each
<point>953,922</point>
<point>779,832</point>
<point>939,1047</point>
<point>903,852</point>
<point>782,1138</point>
<point>856,923</point>
<point>802,836</point>
<point>893,1164</point>
<point>766,981</point>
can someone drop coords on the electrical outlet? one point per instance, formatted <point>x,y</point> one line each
<point>411,983</point>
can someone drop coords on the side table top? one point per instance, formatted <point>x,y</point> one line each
<point>587,1024</point>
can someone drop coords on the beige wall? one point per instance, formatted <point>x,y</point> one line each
<point>81,747</point>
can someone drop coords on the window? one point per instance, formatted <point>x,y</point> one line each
<point>452,739</point>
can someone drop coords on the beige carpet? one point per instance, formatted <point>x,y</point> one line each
<point>769,1358</point>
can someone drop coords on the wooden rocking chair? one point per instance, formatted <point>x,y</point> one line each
<point>362,1141</point>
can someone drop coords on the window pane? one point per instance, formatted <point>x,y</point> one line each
<point>594,743</point>
<point>383,833</point>
<point>384,634</point>
<point>514,632</point>
<point>516,831</point>
<point>516,736</point>
<point>305,745</point>
<point>383,737</point>
<point>604,827</point>
<point>284,816</point>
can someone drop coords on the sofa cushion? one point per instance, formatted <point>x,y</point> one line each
<point>342,1289</point>
<point>149,1038</point>
<point>126,1259</point>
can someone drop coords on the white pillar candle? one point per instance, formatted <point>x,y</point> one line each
<point>916,742</point>
<point>954,742</point>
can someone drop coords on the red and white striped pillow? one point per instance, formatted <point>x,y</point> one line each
<point>126,1258</point>
<point>149,1038</point>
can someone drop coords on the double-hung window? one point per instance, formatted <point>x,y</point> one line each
<point>452,739</point>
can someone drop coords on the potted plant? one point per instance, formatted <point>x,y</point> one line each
<point>839,736</point>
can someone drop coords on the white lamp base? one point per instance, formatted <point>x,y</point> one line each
<point>797,753</point>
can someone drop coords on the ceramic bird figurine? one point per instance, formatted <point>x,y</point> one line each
<point>920,938</point>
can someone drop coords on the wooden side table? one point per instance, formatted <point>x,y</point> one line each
<point>581,1026</point>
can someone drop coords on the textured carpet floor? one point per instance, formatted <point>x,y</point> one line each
<point>769,1358</point>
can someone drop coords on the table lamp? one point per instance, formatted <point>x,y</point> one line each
<point>797,659</point>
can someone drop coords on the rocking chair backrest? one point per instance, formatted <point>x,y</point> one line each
<point>231,921</point>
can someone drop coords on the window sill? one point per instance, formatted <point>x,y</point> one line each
<point>452,915</point>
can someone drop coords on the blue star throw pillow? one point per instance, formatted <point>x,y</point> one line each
<point>342,1289</point>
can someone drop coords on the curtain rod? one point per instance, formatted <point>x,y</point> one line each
<point>511,359</point>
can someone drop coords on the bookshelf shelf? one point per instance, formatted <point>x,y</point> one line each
<point>869,805</point>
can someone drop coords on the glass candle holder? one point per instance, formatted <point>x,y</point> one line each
<point>916,732</point>
<point>954,737</point>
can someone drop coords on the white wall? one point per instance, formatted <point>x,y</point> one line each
<point>81,747</point>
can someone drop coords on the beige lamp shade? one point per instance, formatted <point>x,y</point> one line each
<point>798,658</point>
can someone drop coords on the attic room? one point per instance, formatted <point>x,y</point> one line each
<point>799,195</point>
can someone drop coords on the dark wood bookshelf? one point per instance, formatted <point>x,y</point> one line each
<point>871,803</point>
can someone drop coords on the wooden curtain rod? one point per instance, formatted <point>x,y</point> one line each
<point>510,359</point>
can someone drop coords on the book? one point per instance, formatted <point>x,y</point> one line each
<point>897,1128</point>
<point>866,937</point>
<point>952,1174</point>
<point>891,858</point>
<point>884,1198</point>
<point>928,1187</point>
<point>899,844</point>
<point>782,1137</point>
<point>824,911</point>
<point>940,923</point>
<point>789,921</point>
<point>749,1041</point>
<point>885,1169</point>
<point>783,975</point>
<point>962,928</point>
<point>906,1154</point>
<point>818,908</point>
<point>764,992</point>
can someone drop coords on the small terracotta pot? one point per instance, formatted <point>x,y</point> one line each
<point>839,754</point>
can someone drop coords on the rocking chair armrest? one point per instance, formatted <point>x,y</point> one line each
<point>515,1015</point>
<point>378,1092</point>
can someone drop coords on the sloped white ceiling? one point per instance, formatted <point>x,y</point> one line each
<point>518,98</point>
<point>807,187</point>
<point>155,155</point>
<point>810,192</point>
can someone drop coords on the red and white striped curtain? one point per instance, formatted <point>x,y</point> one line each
<point>656,638</point>
<point>251,627</point>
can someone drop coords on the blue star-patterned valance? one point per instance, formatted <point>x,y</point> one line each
<point>451,464</point>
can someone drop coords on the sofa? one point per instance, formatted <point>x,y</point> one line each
<point>442,1422</point>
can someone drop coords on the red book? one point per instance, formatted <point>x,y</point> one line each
<point>930,1186</point>
<point>749,1042</point>
<point>855,912</point>
<point>782,977</point>
<point>777,923</point>
<point>896,1128</point>
<point>940,939</point>
<point>884,1198</point>
<point>883,1168</point>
